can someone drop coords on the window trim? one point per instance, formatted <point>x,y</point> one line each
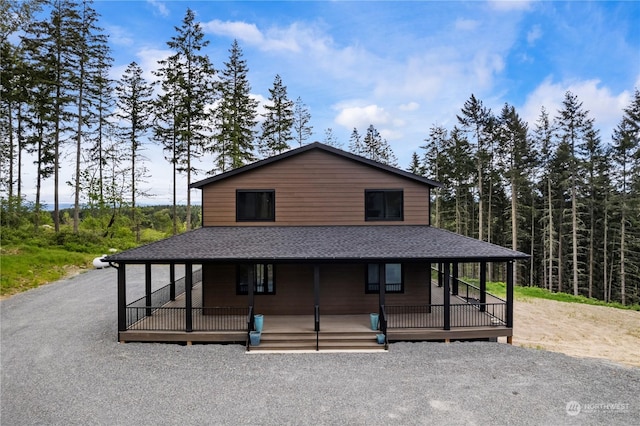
<point>241,292</point>
<point>384,191</point>
<point>272,212</point>
<point>374,288</point>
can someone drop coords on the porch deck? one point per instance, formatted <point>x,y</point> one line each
<point>467,321</point>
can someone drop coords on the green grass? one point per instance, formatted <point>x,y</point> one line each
<point>25,266</point>
<point>498,289</point>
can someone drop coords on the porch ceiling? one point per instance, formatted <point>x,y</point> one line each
<point>317,244</point>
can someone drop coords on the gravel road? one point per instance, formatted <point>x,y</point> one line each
<point>61,364</point>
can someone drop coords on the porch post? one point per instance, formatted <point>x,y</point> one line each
<point>447,298</point>
<point>188,303</point>
<point>483,286</point>
<point>440,274</point>
<point>383,283</point>
<point>122,299</point>
<point>250,279</point>
<point>172,281</point>
<point>147,287</point>
<point>316,294</point>
<point>454,287</point>
<point>510,265</point>
<point>429,287</point>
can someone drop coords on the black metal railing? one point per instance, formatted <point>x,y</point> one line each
<point>316,325</point>
<point>250,324</point>
<point>159,298</point>
<point>461,315</point>
<point>174,318</point>
<point>383,323</point>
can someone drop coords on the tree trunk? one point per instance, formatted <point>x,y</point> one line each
<point>550,235</point>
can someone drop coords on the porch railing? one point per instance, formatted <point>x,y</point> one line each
<point>383,324</point>
<point>432,316</point>
<point>159,298</point>
<point>250,324</point>
<point>174,318</point>
<point>316,325</point>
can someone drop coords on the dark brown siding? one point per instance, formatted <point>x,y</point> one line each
<point>314,188</point>
<point>342,289</point>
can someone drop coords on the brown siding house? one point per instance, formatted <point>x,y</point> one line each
<point>319,249</point>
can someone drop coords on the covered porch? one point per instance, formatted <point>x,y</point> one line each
<point>321,272</point>
<point>460,316</point>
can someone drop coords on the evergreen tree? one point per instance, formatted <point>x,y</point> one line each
<point>626,150</point>
<point>517,161</point>
<point>53,44</point>
<point>235,114</point>
<point>134,107</point>
<point>330,139</point>
<point>378,149</point>
<point>355,143</point>
<point>301,120</point>
<point>194,77</point>
<point>476,119</point>
<point>543,141</point>
<point>433,165</point>
<point>167,122</point>
<point>276,128</point>
<point>93,59</point>
<point>573,127</point>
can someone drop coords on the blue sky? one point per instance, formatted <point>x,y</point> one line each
<point>401,66</point>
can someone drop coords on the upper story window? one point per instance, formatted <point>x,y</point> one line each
<point>257,205</point>
<point>383,204</point>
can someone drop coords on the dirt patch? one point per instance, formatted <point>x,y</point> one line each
<point>578,330</point>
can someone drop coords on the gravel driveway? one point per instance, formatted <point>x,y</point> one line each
<point>61,364</point>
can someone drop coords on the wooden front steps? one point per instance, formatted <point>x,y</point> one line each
<point>327,341</point>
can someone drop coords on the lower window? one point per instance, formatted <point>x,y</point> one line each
<point>393,278</point>
<point>263,279</point>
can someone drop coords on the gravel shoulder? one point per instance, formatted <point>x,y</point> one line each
<point>61,364</point>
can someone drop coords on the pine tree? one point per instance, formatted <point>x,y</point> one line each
<point>330,139</point>
<point>433,164</point>
<point>626,150</point>
<point>301,120</point>
<point>543,140</point>
<point>377,149</point>
<point>476,119</point>
<point>355,143</point>
<point>276,128</point>
<point>194,77</point>
<point>235,114</point>
<point>92,53</point>
<point>573,128</point>
<point>517,161</point>
<point>134,107</point>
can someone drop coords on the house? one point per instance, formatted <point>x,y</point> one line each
<point>315,240</point>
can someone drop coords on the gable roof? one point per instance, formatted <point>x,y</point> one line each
<point>261,244</point>
<point>324,148</point>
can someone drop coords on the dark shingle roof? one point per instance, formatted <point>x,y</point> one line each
<point>316,243</point>
<point>321,147</point>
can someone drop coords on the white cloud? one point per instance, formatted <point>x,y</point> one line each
<point>119,36</point>
<point>278,39</point>
<point>466,24</point>
<point>159,6</point>
<point>534,34</point>
<point>362,117</point>
<point>509,5</point>
<point>247,33</point>
<point>603,105</point>
<point>411,106</point>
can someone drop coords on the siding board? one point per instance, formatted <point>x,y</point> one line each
<point>314,188</point>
